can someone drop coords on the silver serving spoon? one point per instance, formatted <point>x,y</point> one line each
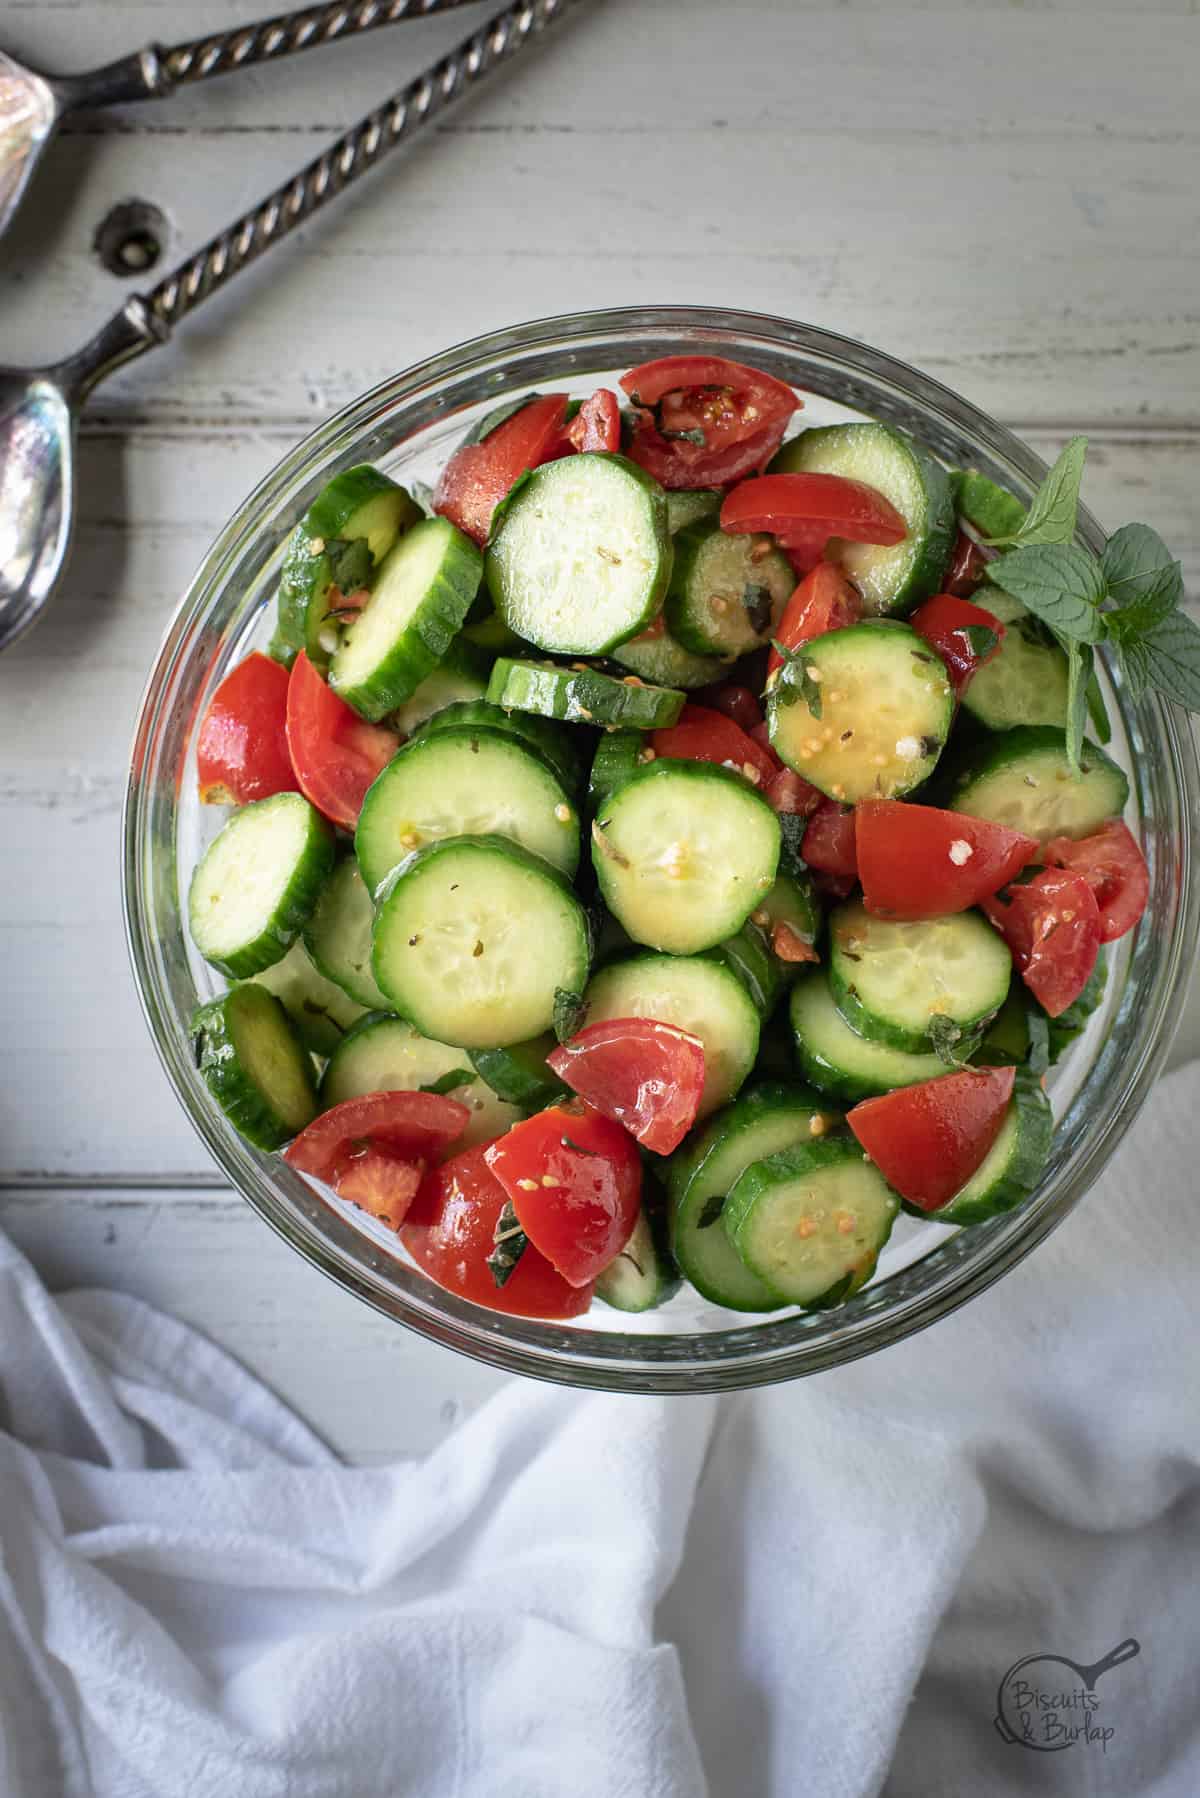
<point>39,407</point>
<point>33,104</point>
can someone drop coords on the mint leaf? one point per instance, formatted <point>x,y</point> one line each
<point>981,640</point>
<point>351,563</point>
<point>1051,515</point>
<point>446,1083</point>
<point>1140,572</point>
<point>1172,658</point>
<point>792,826</point>
<point>757,601</point>
<point>945,1036</point>
<point>569,1013</point>
<point>795,682</point>
<point>1058,583</point>
<point>509,1244</point>
<point>1135,667</point>
<point>1039,1040</point>
<point>1080,669</point>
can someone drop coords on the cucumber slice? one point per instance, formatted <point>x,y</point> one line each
<point>464,782</point>
<point>771,1116</point>
<point>691,505</point>
<point>582,695</point>
<point>1022,778</point>
<point>811,1220</point>
<point>619,755</point>
<point>319,1012</point>
<point>727,592</point>
<point>253,1065</point>
<point>338,935</point>
<point>992,511</point>
<point>460,676</point>
<point>897,579</point>
<point>693,993</point>
<point>1013,1166</point>
<point>683,853</point>
<point>519,1073</point>
<point>1026,680</point>
<point>662,660</point>
<point>257,883</point>
<point>473,938</point>
<point>841,1063</point>
<point>885,710</point>
<point>748,955</point>
<point>420,598</point>
<point>580,555</point>
<point>548,741</point>
<point>386,1055</point>
<point>342,538</point>
<point>644,1274</point>
<point>891,979</point>
<point>1005,1042</point>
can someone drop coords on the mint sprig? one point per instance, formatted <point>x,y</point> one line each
<point>1127,598</point>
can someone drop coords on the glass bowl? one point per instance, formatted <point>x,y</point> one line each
<point>409,425</point>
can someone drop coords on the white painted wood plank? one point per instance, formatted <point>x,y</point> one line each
<point>373,1389</point>
<point>1000,196</point>
<point>81,1093</point>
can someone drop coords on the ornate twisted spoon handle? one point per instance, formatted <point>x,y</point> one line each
<point>307,29</point>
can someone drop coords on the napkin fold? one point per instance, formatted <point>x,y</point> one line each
<point>816,1589</point>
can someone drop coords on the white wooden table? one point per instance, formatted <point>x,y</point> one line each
<point>1007,195</point>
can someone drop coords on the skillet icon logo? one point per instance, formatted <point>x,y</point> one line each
<point>1048,1702</point>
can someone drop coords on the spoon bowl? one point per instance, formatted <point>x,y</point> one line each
<point>29,113</point>
<point>37,454</point>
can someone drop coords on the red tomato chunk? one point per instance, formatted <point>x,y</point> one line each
<point>928,1140</point>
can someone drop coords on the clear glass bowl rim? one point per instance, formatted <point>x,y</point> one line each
<point>750,1355</point>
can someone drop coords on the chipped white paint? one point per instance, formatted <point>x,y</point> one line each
<point>1003,193</point>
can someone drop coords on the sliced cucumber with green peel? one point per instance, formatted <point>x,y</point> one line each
<point>551,742</point>
<point>460,676</point>
<point>1014,1165</point>
<point>257,883</point>
<point>493,636</point>
<point>1022,778</point>
<point>619,755</point>
<point>661,659</point>
<point>691,505</point>
<point>727,592</point>
<point>519,1073</point>
<point>580,554</point>
<point>474,936</point>
<point>896,579</point>
<point>582,695</point>
<point>748,955</point>
<point>464,782</point>
<point>320,1012</point>
<point>839,1062</point>
<point>338,935</point>
<point>862,713</point>
<point>769,1117</point>
<point>386,1055</point>
<point>252,1062</point>
<point>984,505</point>
<point>421,596</point>
<point>892,980</point>
<point>811,1221</point>
<point>683,853</point>
<point>338,544</point>
<point>693,993</point>
<point>1005,1042</point>
<point>1026,680</point>
<point>644,1275</point>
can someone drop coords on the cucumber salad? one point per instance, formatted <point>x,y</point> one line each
<point>663,853</point>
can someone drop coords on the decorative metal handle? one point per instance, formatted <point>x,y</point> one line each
<point>269,39</point>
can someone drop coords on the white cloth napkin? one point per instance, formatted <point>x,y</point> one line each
<point>813,1590</point>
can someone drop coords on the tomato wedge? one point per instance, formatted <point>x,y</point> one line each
<point>915,861</point>
<point>968,565</point>
<point>1052,926</point>
<point>674,463</point>
<point>824,601</point>
<point>964,635</point>
<point>704,421</point>
<point>1114,867</point>
<point>736,702</point>
<point>759,396</point>
<point>792,796</point>
<point>450,1232</point>
<point>793,505</point>
<point>928,1140</point>
<point>830,841</point>
<point>575,1181</point>
<point>335,753</point>
<point>479,475</point>
<point>702,735</point>
<point>597,424</point>
<point>242,752</point>
<point>374,1150</point>
<point>644,1075</point>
